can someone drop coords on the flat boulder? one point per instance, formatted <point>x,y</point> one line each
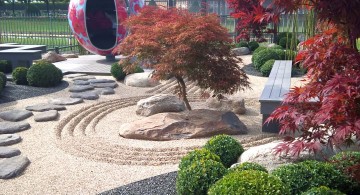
<point>8,152</point>
<point>227,104</point>
<point>9,139</point>
<point>81,82</point>
<point>185,125</point>
<point>84,78</point>
<point>80,88</point>
<point>13,127</point>
<point>46,116</point>
<point>52,57</point>
<point>45,107</point>
<point>240,51</point>
<point>66,101</point>
<point>12,167</point>
<point>140,80</point>
<point>92,81</point>
<point>71,76</point>
<point>104,85</point>
<point>89,95</point>
<point>105,91</point>
<point>159,103</point>
<point>15,115</point>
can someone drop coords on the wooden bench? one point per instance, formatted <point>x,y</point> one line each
<point>21,55</point>
<point>274,91</point>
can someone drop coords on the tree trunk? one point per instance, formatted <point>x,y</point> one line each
<point>182,92</point>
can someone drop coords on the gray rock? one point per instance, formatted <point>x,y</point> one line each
<point>46,116</point>
<point>71,76</point>
<point>90,95</point>
<point>15,115</point>
<point>12,167</point>
<point>92,81</point>
<point>236,105</point>
<point>52,57</point>
<point>9,139</point>
<point>66,101</point>
<point>7,152</point>
<point>81,82</point>
<point>80,88</point>
<point>140,80</point>
<point>105,91</point>
<point>45,107</point>
<point>84,78</point>
<point>240,51</point>
<point>104,85</point>
<point>159,103</point>
<point>184,125</point>
<point>13,127</point>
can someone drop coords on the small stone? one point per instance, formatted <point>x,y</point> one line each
<point>15,115</point>
<point>81,82</point>
<point>71,55</point>
<point>105,91</point>
<point>71,76</point>
<point>90,95</point>
<point>104,85</point>
<point>46,116</point>
<point>7,152</point>
<point>159,103</point>
<point>66,101</point>
<point>12,167</point>
<point>13,127</point>
<point>101,81</point>
<point>45,107</point>
<point>240,51</point>
<point>80,88</point>
<point>84,78</point>
<point>140,80</point>
<point>9,139</point>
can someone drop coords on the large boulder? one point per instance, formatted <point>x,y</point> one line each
<point>240,51</point>
<point>159,103</point>
<point>142,79</point>
<point>184,125</point>
<point>52,57</point>
<point>227,104</point>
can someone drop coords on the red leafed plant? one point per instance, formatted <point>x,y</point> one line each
<point>179,44</point>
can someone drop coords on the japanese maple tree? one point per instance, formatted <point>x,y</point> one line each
<point>176,43</point>
<point>326,110</point>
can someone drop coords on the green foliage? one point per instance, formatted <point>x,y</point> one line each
<point>32,10</point>
<point>248,182</point>
<point>266,68</point>
<point>307,174</point>
<point>280,53</point>
<point>276,47</point>
<point>248,166</point>
<point>117,71</point>
<point>257,50</point>
<point>290,54</point>
<point>198,177</point>
<point>5,66</point>
<point>138,69</point>
<point>322,190</point>
<point>263,56</point>
<point>283,35</point>
<point>44,74</point>
<point>1,84</point>
<point>286,42</point>
<point>242,44</point>
<point>197,155</point>
<point>253,45</point>
<point>3,76</point>
<point>226,147</point>
<point>19,76</point>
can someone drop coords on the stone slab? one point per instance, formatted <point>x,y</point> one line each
<point>12,167</point>
<point>84,78</point>
<point>104,85</point>
<point>45,107</point>
<point>71,76</point>
<point>105,91</point>
<point>13,127</point>
<point>101,81</point>
<point>46,116</point>
<point>81,82</point>
<point>90,95</point>
<point>9,139</point>
<point>8,152</point>
<point>66,101</point>
<point>15,115</point>
<point>80,88</point>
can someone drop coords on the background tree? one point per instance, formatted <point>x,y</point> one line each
<point>179,44</point>
<point>326,110</point>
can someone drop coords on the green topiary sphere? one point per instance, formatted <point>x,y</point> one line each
<point>276,47</point>
<point>263,56</point>
<point>305,175</point>
<point>5,66</point>
<point>44,74</point>
<point>322,190</point>
<point>19,76</point>
<point>117,71</point>
<point>226,147</point>
<point>3,76</point>
<point>253,45</point>
<point>198,177</point>
<point>266,68</point>
<point>282,35</point>
<point>196,155</point>
<point>242,44</point>
<point>285,42</point>
<point>257,50</point>
<point>249,182</point>
<point>1,84</point>
<point>248,166</point>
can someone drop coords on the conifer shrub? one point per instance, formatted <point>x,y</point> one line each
<point>248,166</point>
<point>266,68</point>
<point>44,74</point>
<point>5,66</point>
<point>19,75</point>
<point>263,56</point>
<point>197,155</point>
<point>4,79</point>
<point>253,45</point>
<point>322,190</point>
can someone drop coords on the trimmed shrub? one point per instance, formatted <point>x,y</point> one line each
<point>248,166</point>
<point>307,174</point>
<point>322,190</point>
<point>138,69</point>
<point>285,42</point>
<point>242,44</point>
<point>257,50</point>
<point>276,47</point>
<point>44,74</point>
<point>197,178</point>
<point>282,35</point>
<point>1,84</point>
<point>3,76</point>
<point>266,68</point>
<point>263,56</point>
<point>196,155</point>
<point>226,147</point>
<point>19,76</point>
<point>249,182</point>
<point>117,71</point>
<point>5,66</point>
<point>253,45</point>
<point>280,53</point>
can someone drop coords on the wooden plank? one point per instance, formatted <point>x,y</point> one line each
<point>275,93</point>
<point>274,69</point>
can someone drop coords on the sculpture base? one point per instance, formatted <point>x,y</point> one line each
<point>110,58</point>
